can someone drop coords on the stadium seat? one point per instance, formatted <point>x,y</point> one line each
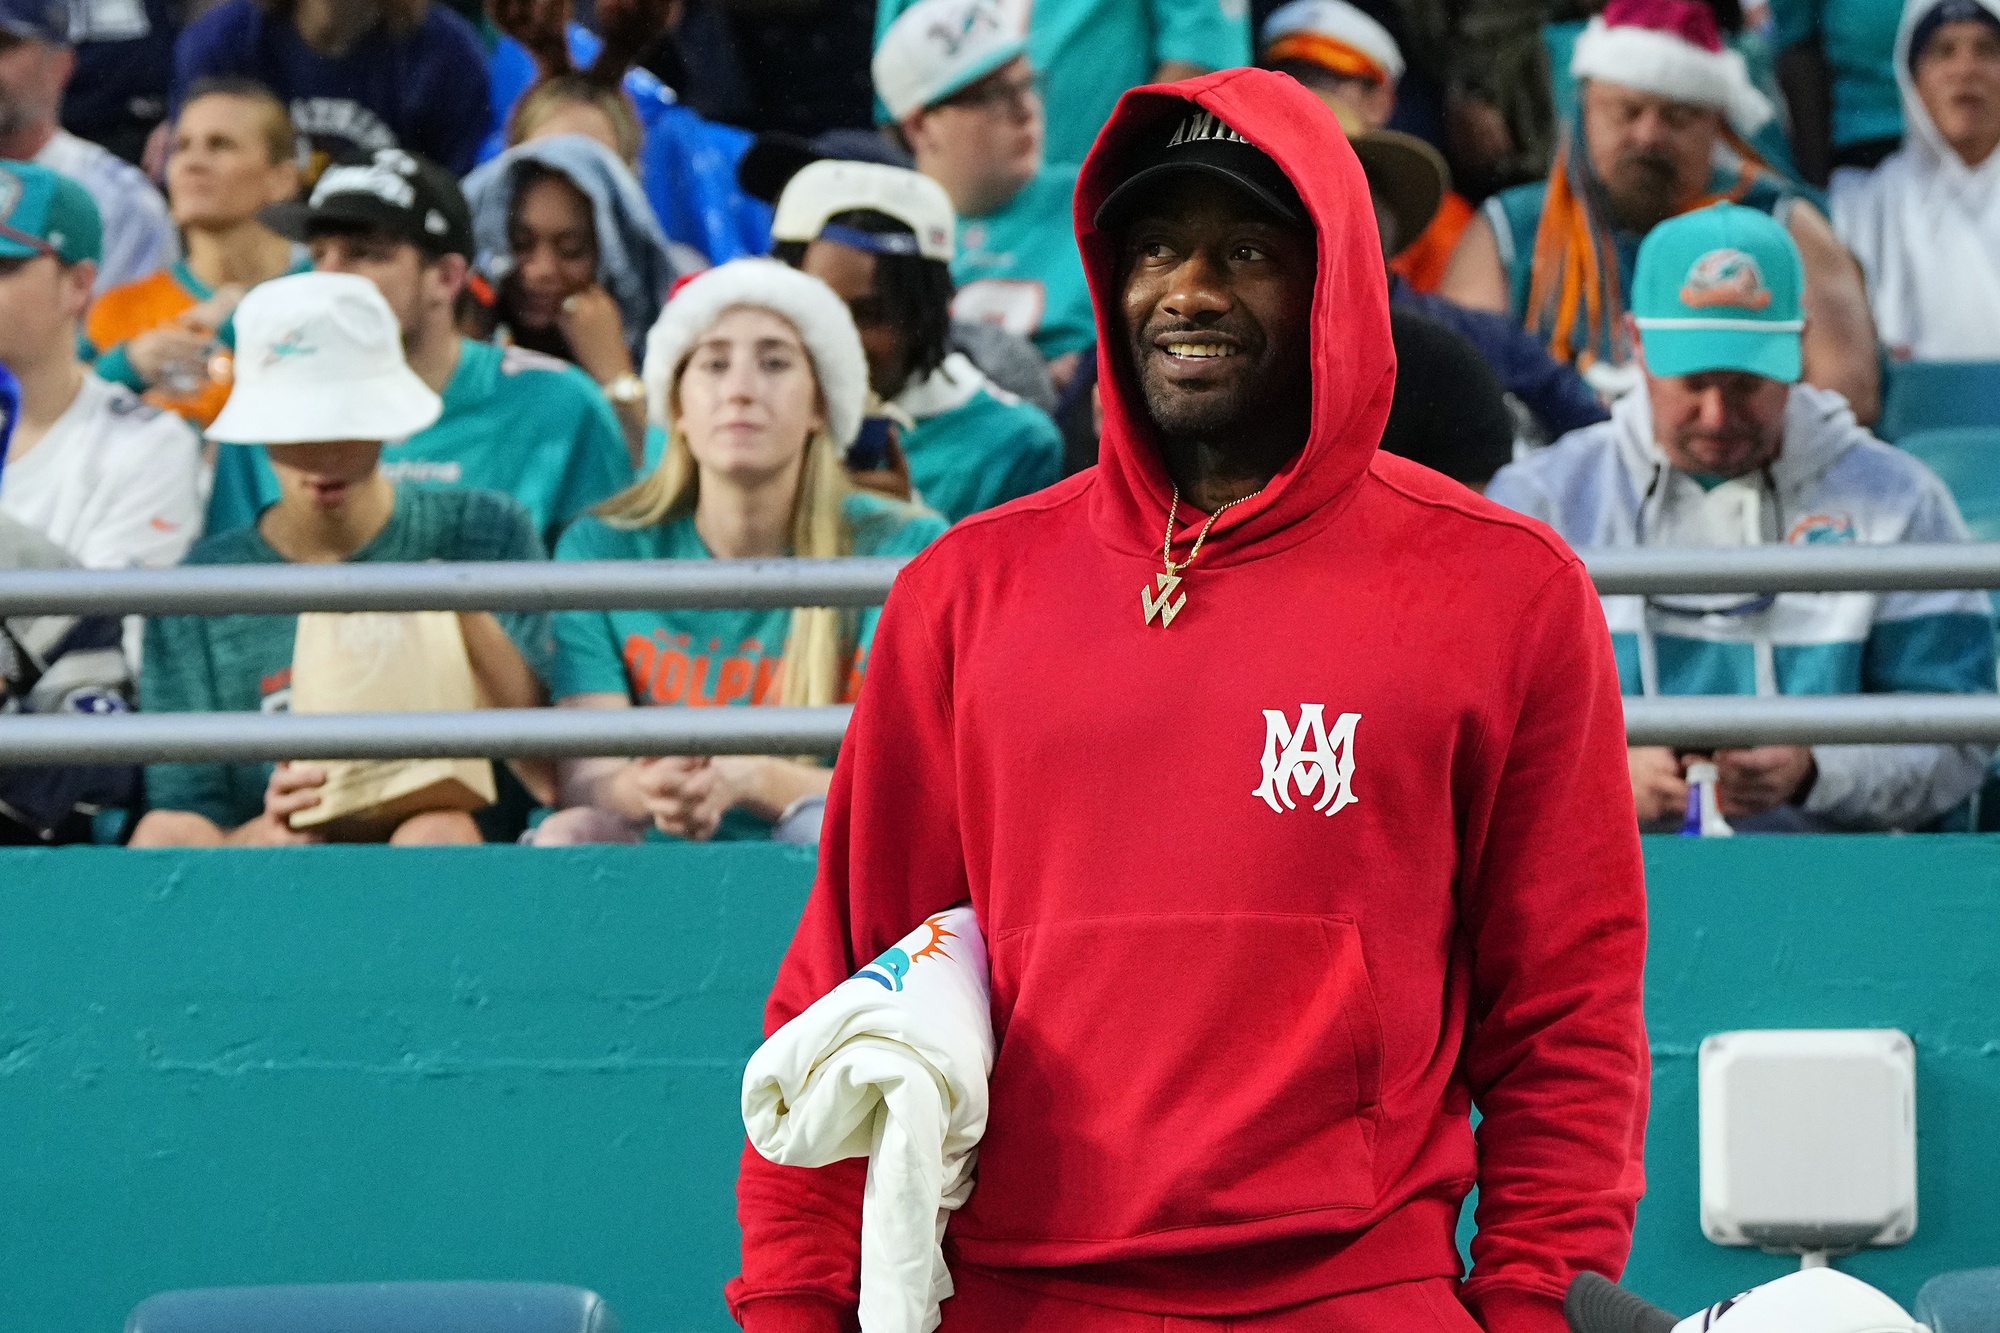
<point>377,1307</point>
<point>1967,459</point>
<point>1938,395</point>
<point>1967,1301</point>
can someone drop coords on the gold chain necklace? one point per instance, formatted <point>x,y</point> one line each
<point>1155,604</point>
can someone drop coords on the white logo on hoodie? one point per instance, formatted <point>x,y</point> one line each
<point>1308,757</point>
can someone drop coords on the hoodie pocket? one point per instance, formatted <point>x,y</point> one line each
<point>1174,1071</point>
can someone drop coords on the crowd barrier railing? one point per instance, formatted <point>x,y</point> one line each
<point>1692,722</point>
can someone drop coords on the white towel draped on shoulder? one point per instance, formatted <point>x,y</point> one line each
<point>890,1065</point>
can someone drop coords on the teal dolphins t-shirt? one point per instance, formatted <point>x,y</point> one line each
<point>704,658</point>
<point>1859,38</point>
<point>243,664</point>
<point>975,445</point>
<point>515,421</point>
<point>1019,268</point>
<point>1091,51</point>
<point>707,659</point>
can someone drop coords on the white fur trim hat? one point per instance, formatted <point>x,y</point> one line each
<point>821,318</point>
<point>1670,48</point>
<point>938,47</point>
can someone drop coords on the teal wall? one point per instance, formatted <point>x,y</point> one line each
<point>365,1063</point>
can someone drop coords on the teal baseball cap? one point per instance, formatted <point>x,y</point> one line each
<point>1720,288</point>
<point>44,212</point>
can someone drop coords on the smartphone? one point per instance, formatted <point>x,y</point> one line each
<point>870,450</point>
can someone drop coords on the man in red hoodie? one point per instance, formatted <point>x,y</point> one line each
<point>1285,863</point>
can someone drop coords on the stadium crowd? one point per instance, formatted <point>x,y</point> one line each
<point>408,280</point>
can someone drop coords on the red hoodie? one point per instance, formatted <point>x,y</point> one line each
<point>1241,1026</point>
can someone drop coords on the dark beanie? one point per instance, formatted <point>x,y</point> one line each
<point>1449,412</point>
<point>1947,11</point>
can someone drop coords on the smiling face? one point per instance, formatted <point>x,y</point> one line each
<point>324,475</point>
<point>1217,305</point>
<point>748,400</point>
<point>554,243</point>
<point>1958,80</point>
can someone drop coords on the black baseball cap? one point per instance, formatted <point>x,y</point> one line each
<point>1202,143</point>
<point>394,192</point>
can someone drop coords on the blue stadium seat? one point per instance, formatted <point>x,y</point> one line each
<point>1967,459</point>
<point>1967,1301</point>
<point>1938,395</point>
<point>377,1307</point>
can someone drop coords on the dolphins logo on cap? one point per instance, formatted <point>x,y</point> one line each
<point>1726,278</point>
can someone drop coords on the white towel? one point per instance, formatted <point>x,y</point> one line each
<point>891,1065</point>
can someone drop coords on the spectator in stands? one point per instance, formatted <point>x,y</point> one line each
<point>758,374</point>
<point>233,154</point>
<point>1837,67</point>
<point>1407,179</point>
<point>514,421</point>
<point>1661,101</point>
<point>321,380</point>
<point>1722,446</point>
<point>881,237</point>
<point>965,98</point>
<point>1008,359</point>
<point>574,104</point>
<point>58,664</point>
<point>360,76</point>
<point>581,267</point>
<point>1090,51</point>
<point>111,480</point>
<point>35,65</point>
<point>1926,223</point>
<point>1354,64</point>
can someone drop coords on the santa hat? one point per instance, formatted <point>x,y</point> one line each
<point>1670,48</point>
<point>822,319</point>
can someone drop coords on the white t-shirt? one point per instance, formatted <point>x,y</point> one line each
<point>116,482</point>
<point>139,235</point>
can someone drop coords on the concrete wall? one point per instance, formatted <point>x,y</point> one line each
<point>363,1063</point>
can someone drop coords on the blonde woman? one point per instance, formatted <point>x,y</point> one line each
<point>757,375</point>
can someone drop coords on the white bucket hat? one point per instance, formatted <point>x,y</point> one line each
<point>319,356</point>
<point>821,318</point>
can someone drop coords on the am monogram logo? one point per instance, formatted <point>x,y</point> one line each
<point>1308,756</point>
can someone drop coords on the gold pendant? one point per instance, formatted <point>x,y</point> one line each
<point>1157,605</point>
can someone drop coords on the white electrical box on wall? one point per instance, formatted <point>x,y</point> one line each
<point>1809,1139</point>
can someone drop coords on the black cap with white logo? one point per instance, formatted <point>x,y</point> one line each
<point>1201,142</point>
<point>395,192</point>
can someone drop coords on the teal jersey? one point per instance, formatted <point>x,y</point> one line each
<point>243,664</point>
<point>1019,268</point>
<point>975,445</point>
<point>1091,51</point>
<point>517,422</point>
<point>704,658</point>
<point>1516,214</point>
<point>1859,38</point>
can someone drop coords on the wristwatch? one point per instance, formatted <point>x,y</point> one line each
<point>627,388</point>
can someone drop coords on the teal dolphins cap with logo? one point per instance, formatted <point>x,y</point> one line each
<point>43,212</point>
<point>1720,289</point>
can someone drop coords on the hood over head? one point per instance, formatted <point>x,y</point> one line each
<point>1921,132</point>
<point>1353,358</point>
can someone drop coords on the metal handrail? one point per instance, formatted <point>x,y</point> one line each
<point>610,585</point>
<point>1692,722</point>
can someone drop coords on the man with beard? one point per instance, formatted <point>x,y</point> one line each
<point>1664,108</point>
<point>1304,833</point>
<point>1722,447</point>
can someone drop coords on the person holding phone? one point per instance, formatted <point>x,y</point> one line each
<point>757,375</point>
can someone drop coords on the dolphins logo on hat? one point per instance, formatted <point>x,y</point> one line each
<point>1726,278</point>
